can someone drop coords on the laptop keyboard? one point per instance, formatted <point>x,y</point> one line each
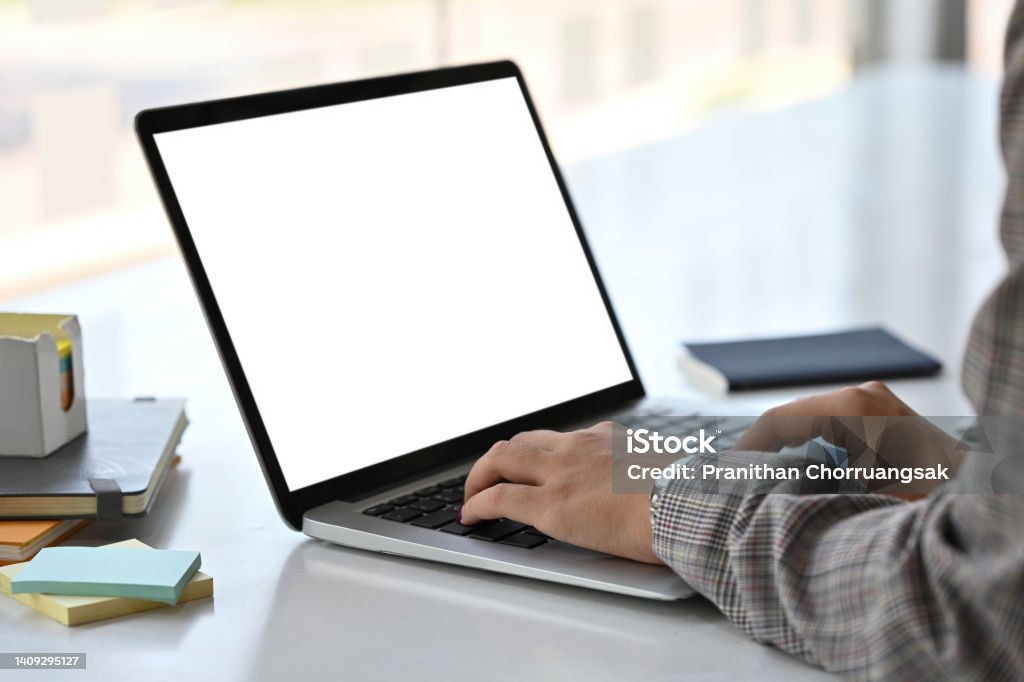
<point>435,507</point>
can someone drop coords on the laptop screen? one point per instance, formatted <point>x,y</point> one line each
<point>393,272</point>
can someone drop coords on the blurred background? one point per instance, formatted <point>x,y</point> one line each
<point>76,200</point>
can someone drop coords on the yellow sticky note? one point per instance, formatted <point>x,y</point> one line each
<point>74,610</point>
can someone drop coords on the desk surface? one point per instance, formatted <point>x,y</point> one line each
<point>877,205</point>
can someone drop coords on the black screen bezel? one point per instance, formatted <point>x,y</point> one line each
<point>360,483</point>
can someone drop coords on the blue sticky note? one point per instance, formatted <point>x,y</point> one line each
<point>157,574</point>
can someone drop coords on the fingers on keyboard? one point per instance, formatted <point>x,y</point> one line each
<point>434,507</point>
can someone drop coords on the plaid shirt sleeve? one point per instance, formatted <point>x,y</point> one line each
<point>865,585</point>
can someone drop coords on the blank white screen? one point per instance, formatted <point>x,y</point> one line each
<point>393,272</point>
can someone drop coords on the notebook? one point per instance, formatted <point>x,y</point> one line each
<point>72,610</point>
<point>20,540</point>
<point>843,357</point>
<point>113,470</point>
<point>157,574</point>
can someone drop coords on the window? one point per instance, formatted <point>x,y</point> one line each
<point>75,197</point>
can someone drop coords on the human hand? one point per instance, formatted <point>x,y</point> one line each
<point>561,484</point>
<point>839,418</point>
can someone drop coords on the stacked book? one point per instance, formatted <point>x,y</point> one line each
<point>114,470</point>
<point>21,540</point>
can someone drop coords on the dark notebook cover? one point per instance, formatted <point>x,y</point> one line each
<point>127,449</point>
<point>858,355</point>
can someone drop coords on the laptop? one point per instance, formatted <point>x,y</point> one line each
<point>395,278</point>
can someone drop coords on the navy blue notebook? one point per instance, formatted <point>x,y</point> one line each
<point>843,357</point>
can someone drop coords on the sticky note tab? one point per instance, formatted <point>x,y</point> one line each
<point>157,574</point>
<point>67,380</point>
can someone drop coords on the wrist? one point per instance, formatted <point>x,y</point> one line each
<point>644,531</point>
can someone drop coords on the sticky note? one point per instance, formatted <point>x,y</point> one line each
<point>74,610</point>
<point>157,574</point>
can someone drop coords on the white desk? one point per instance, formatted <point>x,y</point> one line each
<point>877,205</point>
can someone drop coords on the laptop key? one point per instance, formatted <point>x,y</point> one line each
<point>378,509</point>
<point>402,500</point>
<point>533,531</point>
<point>452,482</point>
<point>435,520</point>
<point>429,491</point>
<point>450,496</point>
<point>401,515</point>
<point>427,505</point>
<point>524,540</point>
<point>459,529</point>
<point>497,531</point>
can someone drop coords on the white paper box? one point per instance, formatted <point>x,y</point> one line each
<point>32,421</point>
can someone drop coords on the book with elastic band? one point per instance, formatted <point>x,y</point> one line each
<point>113,470</point>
